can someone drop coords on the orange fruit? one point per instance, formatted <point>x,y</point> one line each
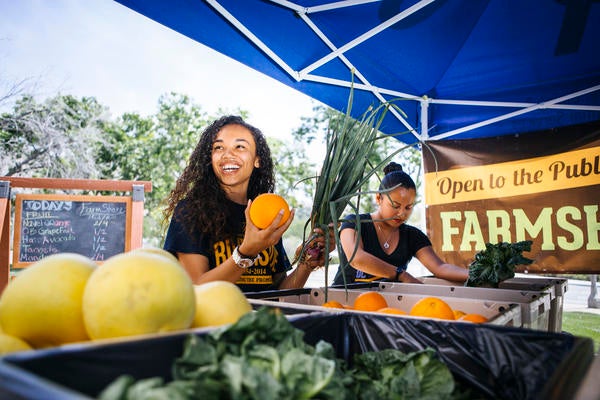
<point>370,301</point>
<point>333,304</point>
<point>458,314</point>
<point>391,310</point>
<point>476,318</point>
<point>265,207</point>
<point>432,307</point>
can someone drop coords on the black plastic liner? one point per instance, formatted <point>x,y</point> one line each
<point>497,362</point>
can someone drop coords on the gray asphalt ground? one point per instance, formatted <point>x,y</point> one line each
<point>576,297</point>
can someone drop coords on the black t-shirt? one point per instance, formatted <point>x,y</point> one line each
<point>411,240</point>
<point>259,277</point>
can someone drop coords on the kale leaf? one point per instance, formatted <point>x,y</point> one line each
<point>497,263</point>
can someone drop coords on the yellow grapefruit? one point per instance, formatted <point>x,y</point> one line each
<point>155,250</point>
<point>12,344</point>
<point>219,303</point>
<point>265,207</point>
<point>137,293</point>
<point>42,305</point>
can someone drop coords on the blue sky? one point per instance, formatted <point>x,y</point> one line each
<point>100,48</point>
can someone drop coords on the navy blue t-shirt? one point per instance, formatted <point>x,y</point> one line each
<point>259,277</point>
<point>411,240</point>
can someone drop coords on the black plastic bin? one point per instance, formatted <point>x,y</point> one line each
<point>497,362</point>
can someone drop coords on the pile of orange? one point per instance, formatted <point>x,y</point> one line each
<point>265,207</point>
<point>429,307</point>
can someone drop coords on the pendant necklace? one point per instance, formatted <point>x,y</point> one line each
<point>386,244</point>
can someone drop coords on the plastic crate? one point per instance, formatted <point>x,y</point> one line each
<point>556,287</point>
<point>311,300</point>
<point>535,306</point>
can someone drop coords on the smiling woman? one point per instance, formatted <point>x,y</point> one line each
<point>210,229</point>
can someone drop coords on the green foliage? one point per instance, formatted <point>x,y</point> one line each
<point>58,138</point>
<point>292,165</point>
<point>496,263</point>
<point>154,148</point>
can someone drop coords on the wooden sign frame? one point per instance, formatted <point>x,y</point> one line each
<point>136,188</point>
<point>17,263</point>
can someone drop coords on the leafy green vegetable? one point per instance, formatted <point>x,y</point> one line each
<point>390,374</point>
<point>497,263</point>
<point>263,356</point>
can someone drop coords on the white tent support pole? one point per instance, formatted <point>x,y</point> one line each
<point>357,73</point>
<point>367,88</point>
<point>424,118</point>
<point>338,4</point>
<point>516,113</point>
<point>323,7</point>
<point>367,35</point>
<point>246,32</point>
<point>513,104</point>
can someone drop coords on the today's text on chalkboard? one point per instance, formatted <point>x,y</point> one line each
<point>94,226</point>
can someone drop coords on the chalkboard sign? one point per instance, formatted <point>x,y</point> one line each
<point>95,226</point>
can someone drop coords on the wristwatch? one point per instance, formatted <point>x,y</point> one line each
<point>242,260</point>
<point>399,271</point>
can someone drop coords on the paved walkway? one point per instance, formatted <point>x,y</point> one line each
<point>576,297</point>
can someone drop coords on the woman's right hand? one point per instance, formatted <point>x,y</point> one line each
<point>256,240</point>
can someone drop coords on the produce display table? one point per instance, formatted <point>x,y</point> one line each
<point>497,362</point>
<point>311,300</point>
<point>555,287</point>
<point>535,306</point>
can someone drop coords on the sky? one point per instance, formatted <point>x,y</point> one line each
<point>126,61</point>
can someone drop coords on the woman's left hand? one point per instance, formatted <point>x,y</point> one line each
<point>314,254</point>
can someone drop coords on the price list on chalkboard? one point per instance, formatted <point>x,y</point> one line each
<point>96,229</point>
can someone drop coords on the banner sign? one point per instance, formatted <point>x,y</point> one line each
<point>540,186</point>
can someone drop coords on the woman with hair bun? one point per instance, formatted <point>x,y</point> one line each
<point>386,243</point>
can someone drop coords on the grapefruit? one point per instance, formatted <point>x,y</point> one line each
<point>138,293</point>
<point>219,303</point>
<point>12,344</point>
<point>42,305</point>
<point>155,250</point>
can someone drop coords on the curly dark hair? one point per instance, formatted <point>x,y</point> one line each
<point>200,190</point>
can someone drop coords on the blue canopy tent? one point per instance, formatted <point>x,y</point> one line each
<point>463,68</point>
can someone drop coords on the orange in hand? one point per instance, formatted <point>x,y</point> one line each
<point>432,307</point>
<point>265,207</point>
<point>370,301</point>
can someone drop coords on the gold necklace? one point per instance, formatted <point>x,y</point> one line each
<point>386,244</point>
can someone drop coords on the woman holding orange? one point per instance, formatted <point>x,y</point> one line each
<point>210,231</point>
<point>386,243</point>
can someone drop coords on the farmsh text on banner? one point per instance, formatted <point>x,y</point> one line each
<point>540,186</point>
